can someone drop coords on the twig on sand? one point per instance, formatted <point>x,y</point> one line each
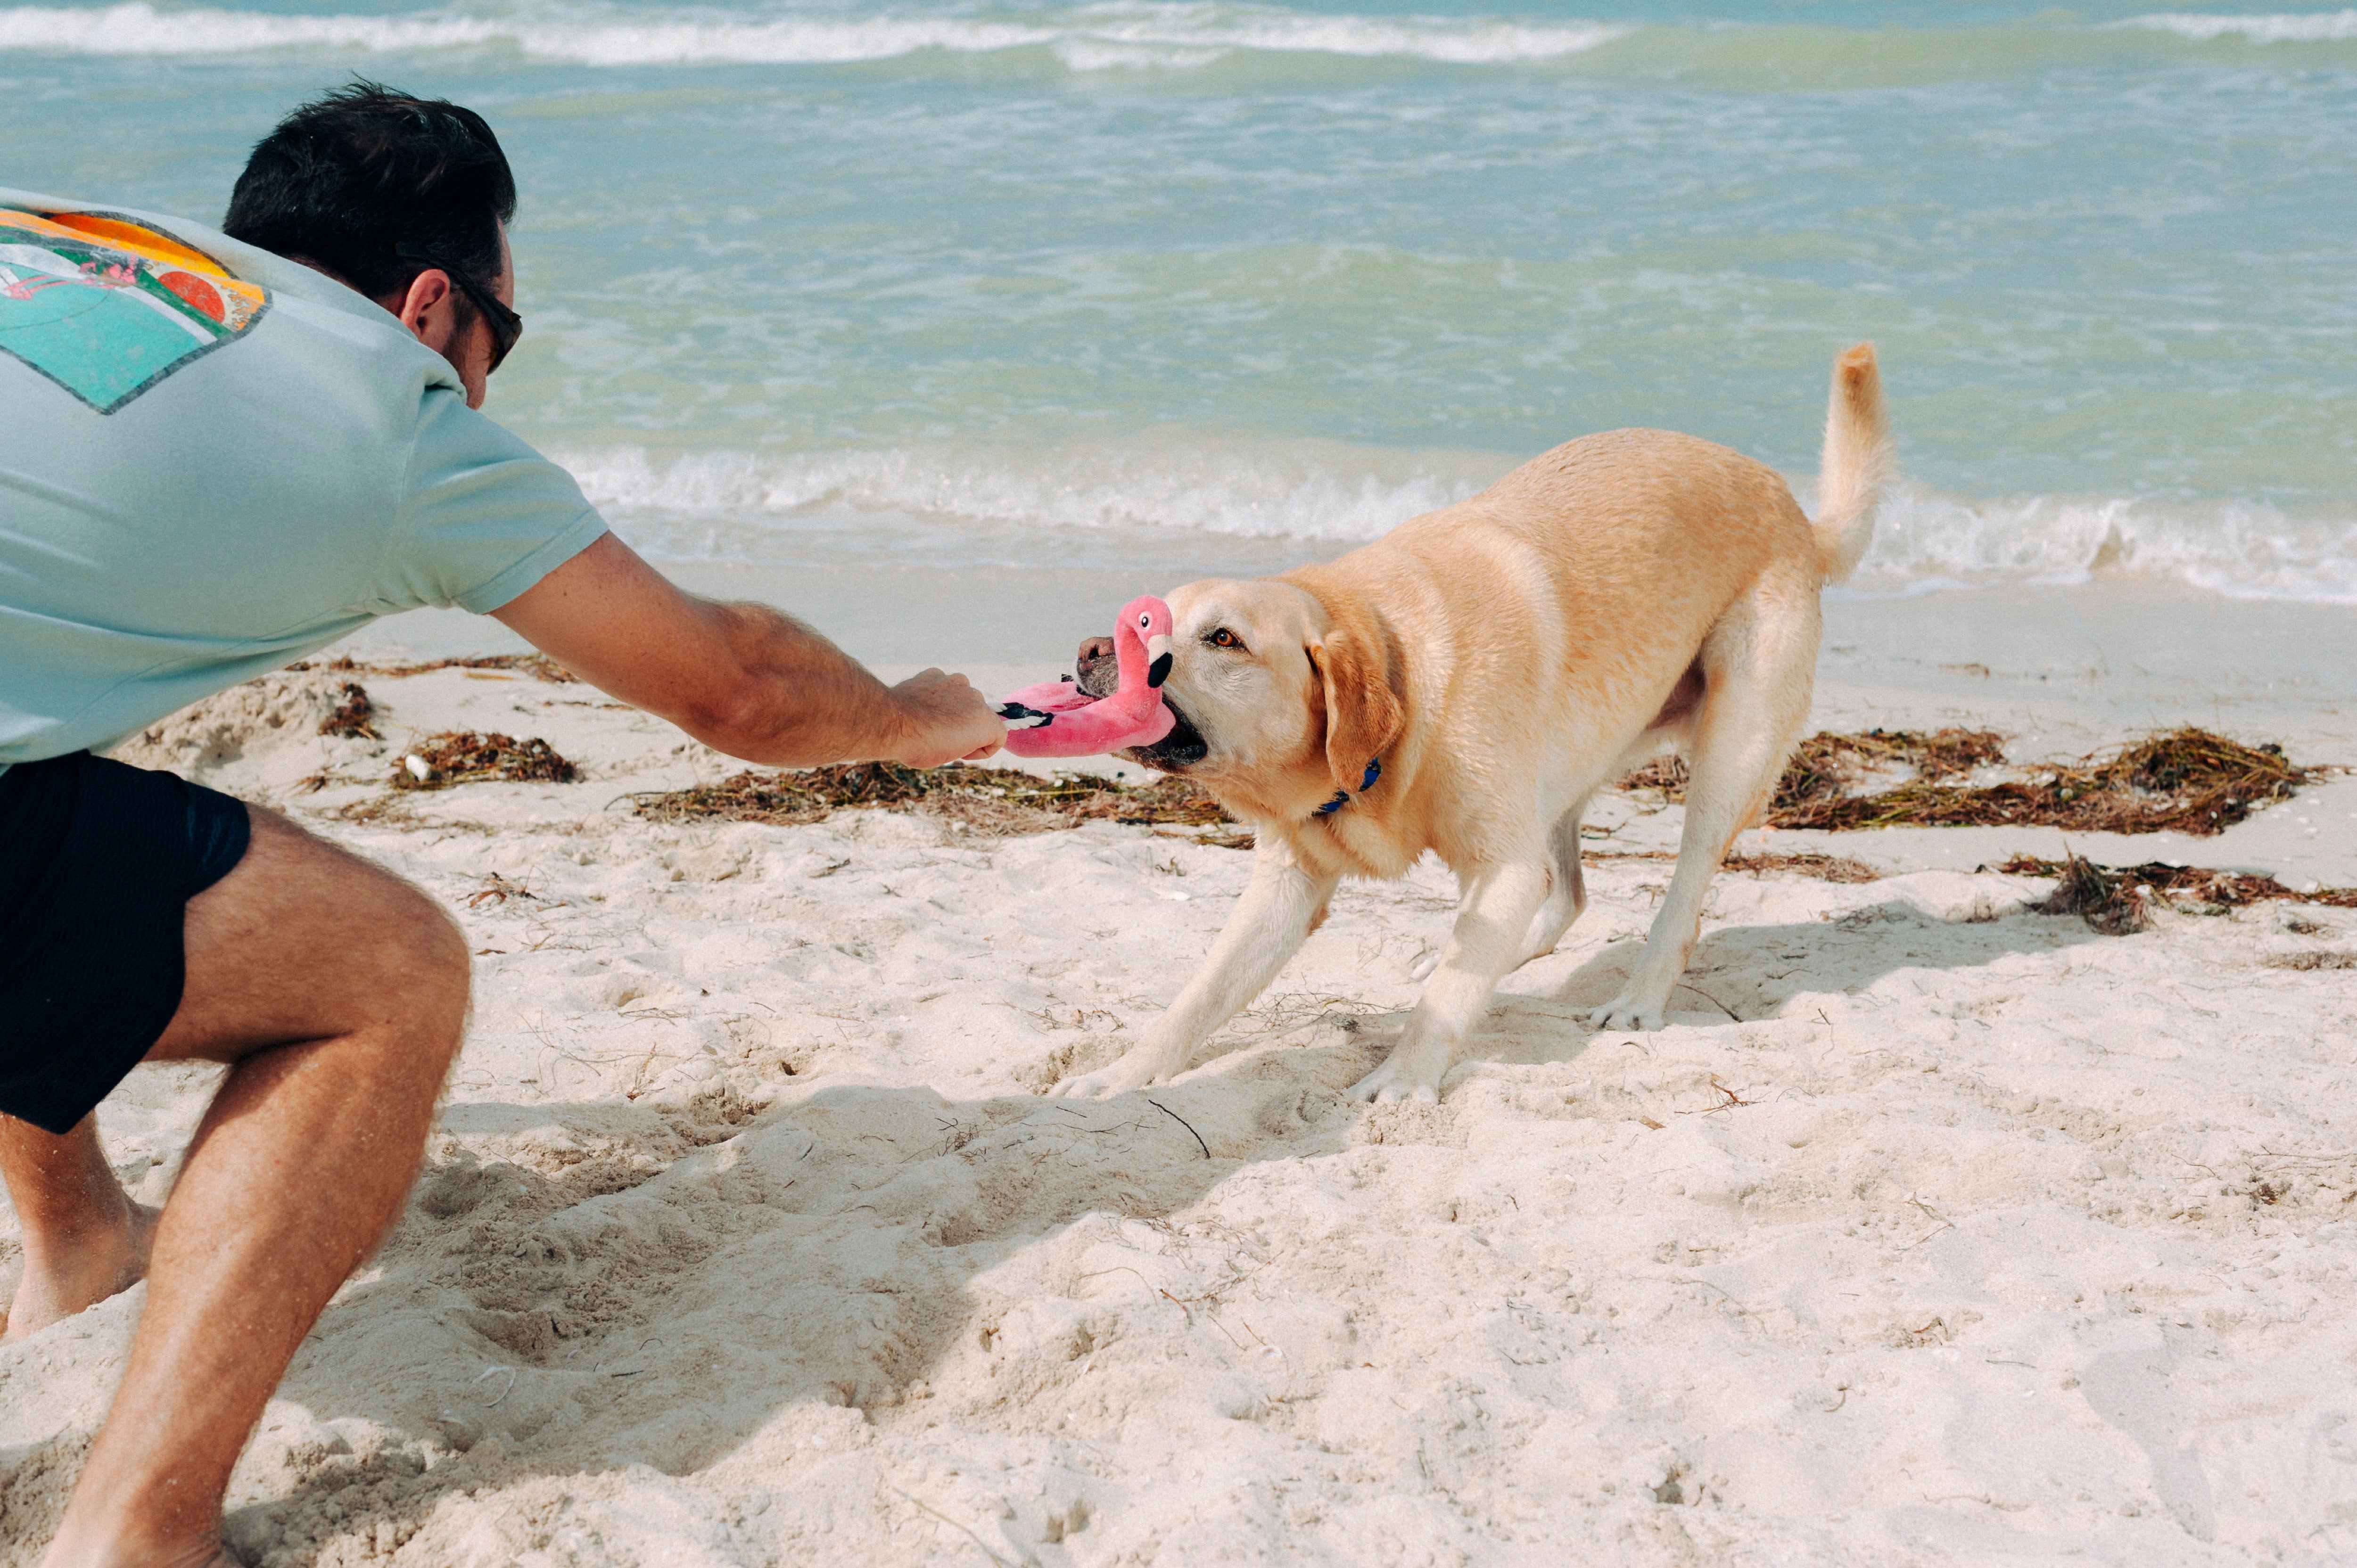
<point>953,1524</point>
<point>1698,990</point>
<point>1946,1224</point>
<point>635,1370</point>
<point>1729,1103</point>
<point>1183,1122</point>
<point>497,889</point>
<point>1119,1268</point>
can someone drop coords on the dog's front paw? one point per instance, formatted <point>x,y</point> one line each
<point>1123,1076</point>
<point>1627,1012</point>
<point>1398,1079</point>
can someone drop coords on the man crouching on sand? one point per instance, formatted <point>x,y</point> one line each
<point>222,452</point>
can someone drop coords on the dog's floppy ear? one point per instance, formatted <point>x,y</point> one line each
<point>1360,671</point>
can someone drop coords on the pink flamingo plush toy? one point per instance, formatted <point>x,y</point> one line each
<point>1056,718</point>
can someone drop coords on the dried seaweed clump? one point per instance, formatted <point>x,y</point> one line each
<point>993,801</point>
<point>463,757</point>
<point>2190,887</point>
<point>2187,780</point>
<point>2314,958</point>
<point>1828,766</point>
<point>1807,862</point>
<point>1665,776</point>
<point>2111,904</point>
<point>354,716</point>
<point>539,666</point>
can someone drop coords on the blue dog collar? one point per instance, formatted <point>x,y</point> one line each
<point>1342,796</point>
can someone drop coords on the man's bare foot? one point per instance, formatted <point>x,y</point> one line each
<point>71,1550</point>
<point>96,1264</point>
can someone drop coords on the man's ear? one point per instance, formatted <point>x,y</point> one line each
<point>416,308</point>
<point>1360,673</point>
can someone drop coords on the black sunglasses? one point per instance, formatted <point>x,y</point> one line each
<point>506,326</point>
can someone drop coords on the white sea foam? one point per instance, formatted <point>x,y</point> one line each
<point>1083,55</point>
<point>1924,541</point>
<point>2285,28</point>
<point>1129,35</point>
<point>1273,492</point>
<point>137,28</point>
<point>1270,29</point>
<point>741,505</point>
<point>1165,37</point>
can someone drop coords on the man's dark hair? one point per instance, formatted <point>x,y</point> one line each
<point>350,178</point>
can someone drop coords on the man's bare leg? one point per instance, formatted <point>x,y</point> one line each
<point>339,993</point>
<point>84,1238</point>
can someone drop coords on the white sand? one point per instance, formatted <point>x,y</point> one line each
<point>1931,1232</point>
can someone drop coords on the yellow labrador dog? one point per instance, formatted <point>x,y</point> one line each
<point>1466,683</point>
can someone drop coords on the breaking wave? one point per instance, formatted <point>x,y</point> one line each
<point>1116,35</point>
<point>766,505</point>
<point>1091,38</point>
<point>2291,27</point>
<point>1311,490</point>
<point>1925,541</point>
<point>1111,36</point>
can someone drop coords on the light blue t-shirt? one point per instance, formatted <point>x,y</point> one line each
<point>213,461</point>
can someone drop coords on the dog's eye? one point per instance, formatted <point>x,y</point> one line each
<point>1223,638</point>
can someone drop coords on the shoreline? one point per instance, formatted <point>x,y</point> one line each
<point>2062,671</point>
<point>2066,656</point>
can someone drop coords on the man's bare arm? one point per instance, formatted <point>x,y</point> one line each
<point>741,678</point>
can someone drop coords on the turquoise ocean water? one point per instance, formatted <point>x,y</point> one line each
<point>1031,285</point>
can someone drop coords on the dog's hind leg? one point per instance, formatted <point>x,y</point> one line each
<point>1492,922</point>
<point>1568,895</point>
<point>1759,664</point>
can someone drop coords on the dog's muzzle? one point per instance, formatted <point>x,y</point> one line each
<point>1099,676</point>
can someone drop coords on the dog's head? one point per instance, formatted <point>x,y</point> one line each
<point>1283,695</point>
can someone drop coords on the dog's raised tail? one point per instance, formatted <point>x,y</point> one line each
<point>1857,462</point>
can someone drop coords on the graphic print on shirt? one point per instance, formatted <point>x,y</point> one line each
<point>106,307</point>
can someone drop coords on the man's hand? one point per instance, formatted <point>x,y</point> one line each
<point>947,719</point>
<point>741,678</point>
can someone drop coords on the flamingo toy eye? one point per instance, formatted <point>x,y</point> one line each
<point>1145,620</point>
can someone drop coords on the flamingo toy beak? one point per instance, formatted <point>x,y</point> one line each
<point>1158,649</point>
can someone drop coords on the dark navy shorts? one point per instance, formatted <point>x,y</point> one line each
<point>98,861</point>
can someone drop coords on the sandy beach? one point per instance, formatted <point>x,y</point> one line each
<point>1935,1230</point>
<point>1932,1230</point>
